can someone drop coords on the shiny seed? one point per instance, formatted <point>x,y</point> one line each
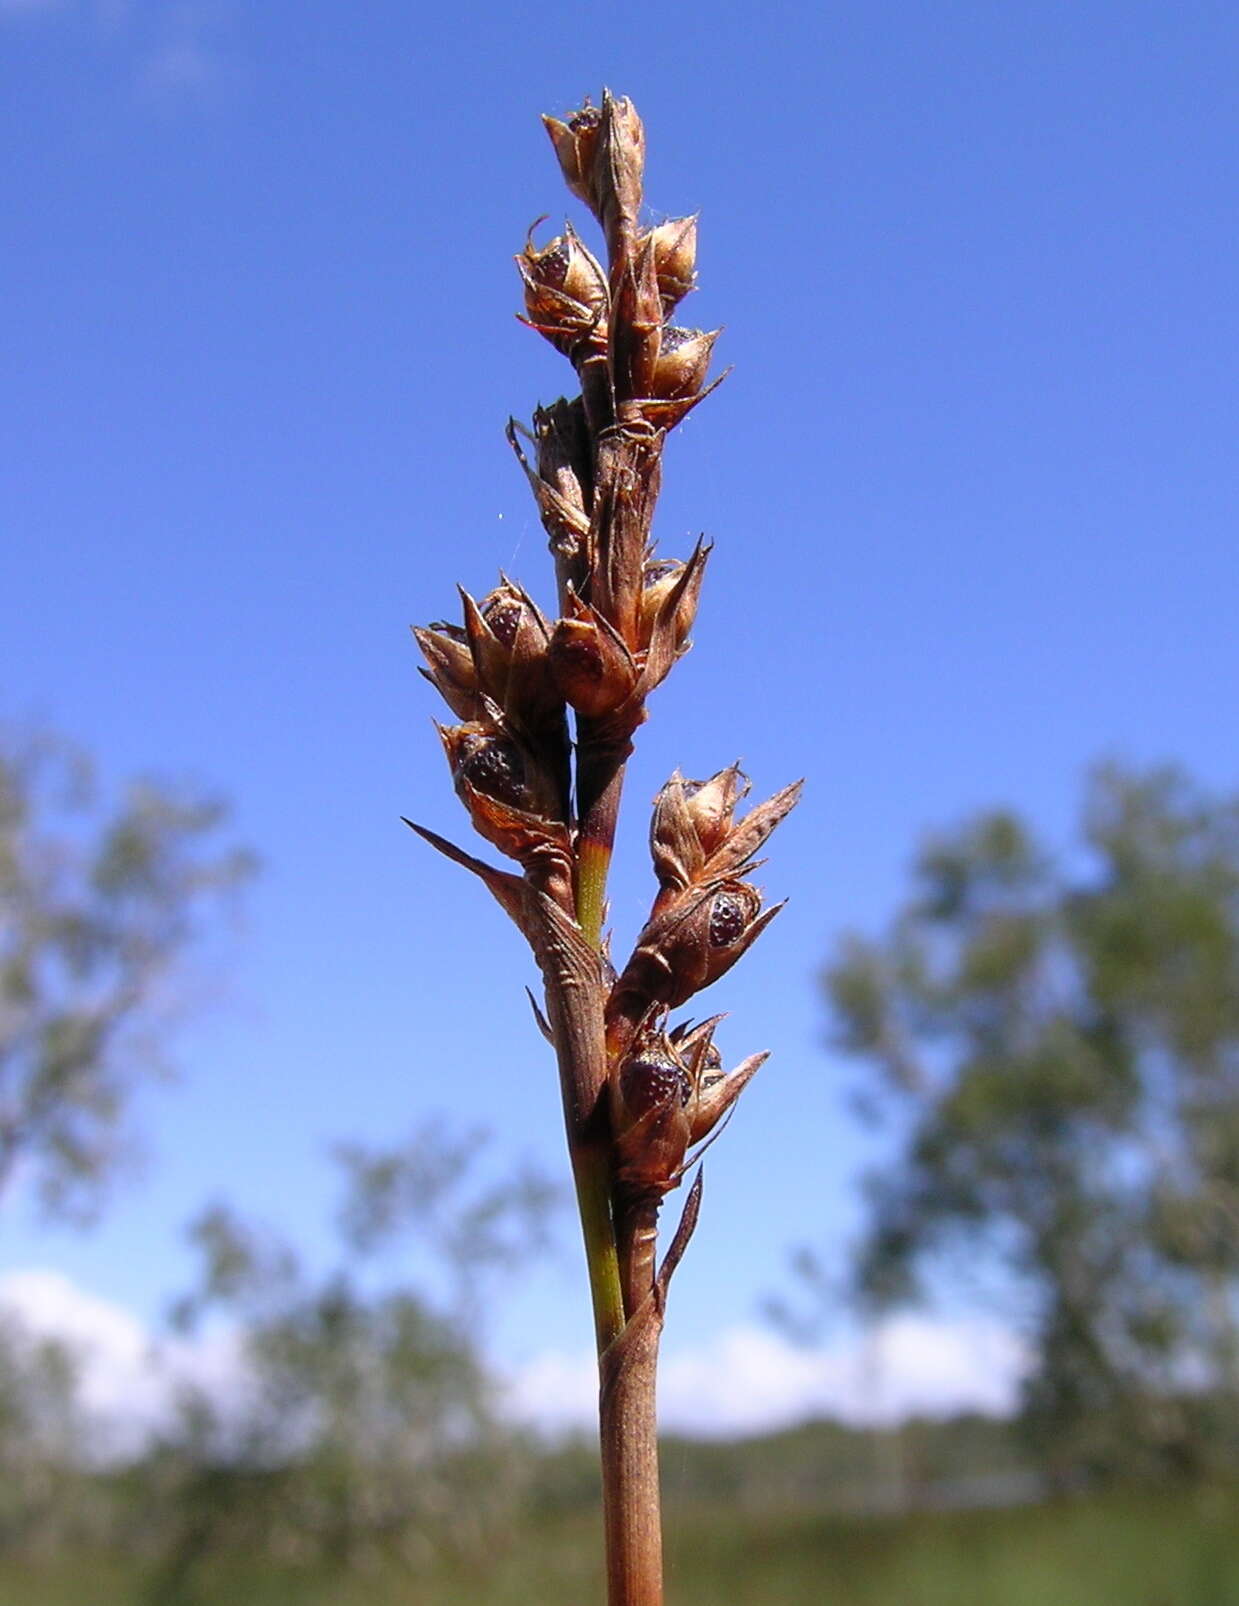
<point>504,619</point>
<point>647,1083</point>
<point>728,918</point>
<point>497,769</point>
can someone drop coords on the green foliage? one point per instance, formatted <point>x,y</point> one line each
<point>1059,1045</point>
<point>1176,1549</point>
<point>99,901</point>
<point>40,1482</point>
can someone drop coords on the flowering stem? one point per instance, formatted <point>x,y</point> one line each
<point>637,1092</point>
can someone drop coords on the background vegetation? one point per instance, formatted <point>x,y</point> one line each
<point>1055,1041</point>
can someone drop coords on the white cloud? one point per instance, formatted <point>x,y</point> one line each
<point>750,1379</point>
<point>109,1345</point>
<point>126,1382</point>
<point>555,1391</point>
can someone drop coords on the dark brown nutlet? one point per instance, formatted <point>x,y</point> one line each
<point>490,768</point>
<point>651,1097</point>
<point>731,910</point>
<point>496,768</point>
<point>695,936</point>
<point>504,614</point>
<point>512,798</point>
<point>651,1079</point>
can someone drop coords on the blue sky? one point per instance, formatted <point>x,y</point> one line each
<point>972,483</point>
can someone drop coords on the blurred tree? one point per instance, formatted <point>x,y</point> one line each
<point>425,1189</point>
<point>361,1423</point>
<point>41,1429</point>
<point>99,900</point>
<point>1058,1044</point>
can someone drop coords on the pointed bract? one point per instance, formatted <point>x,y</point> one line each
<point>675,259</point>
<point>735,853</point>
<point>711,806</point>
<point>713,1101</point>
<point>576,144</point>
<point>557,489</point>
<point>683,361</point>
<point>691,821</point>
<point>500,658</point>
<point>601,151</point>
<point>452,670</point>
<point>507,889</point>
<point>637,329</point>
<point>593,669</point>
<point>671,589</point>
<point>672,620</point>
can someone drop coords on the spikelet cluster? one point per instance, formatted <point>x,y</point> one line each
<point>545,708</point>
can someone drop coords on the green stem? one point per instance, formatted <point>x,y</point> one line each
<point>600,782</point>
<point>591,1172</point>
<point>591,1161</point>
<point>593,862</point>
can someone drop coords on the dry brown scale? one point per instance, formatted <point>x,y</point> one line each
<point>640,1095</point>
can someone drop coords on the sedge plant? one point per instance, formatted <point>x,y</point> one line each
<point>546,712</point>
